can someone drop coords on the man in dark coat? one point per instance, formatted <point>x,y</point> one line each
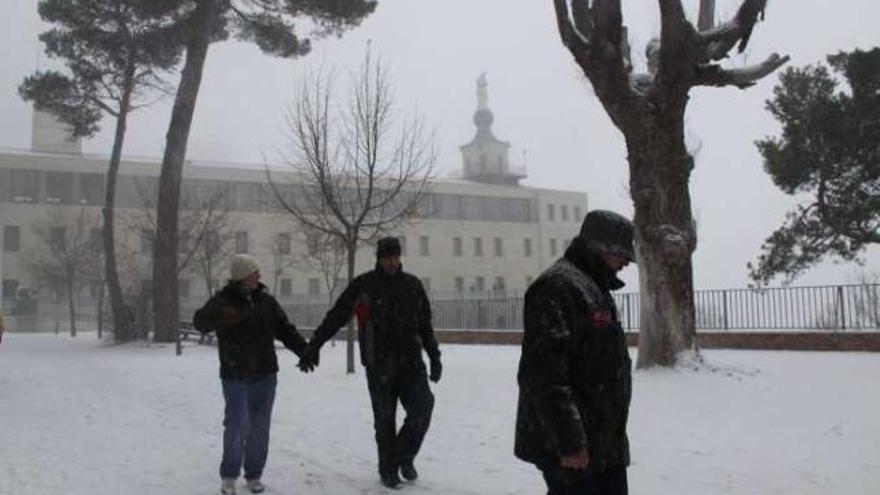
<point>394,325</point>
<point>575,372</point>
<point>247,320</point>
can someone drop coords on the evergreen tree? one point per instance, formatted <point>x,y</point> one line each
<point>829,149</point>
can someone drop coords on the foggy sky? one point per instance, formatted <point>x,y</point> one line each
<point>437,48</point>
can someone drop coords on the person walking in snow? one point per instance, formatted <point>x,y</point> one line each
<point>247,320</point>
<point>574,373</point>
<point>394,324</point>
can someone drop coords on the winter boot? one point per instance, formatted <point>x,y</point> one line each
<point>227,486</point>
<point>255,486</point>
<point>391,480</point>
<point>408,471</point>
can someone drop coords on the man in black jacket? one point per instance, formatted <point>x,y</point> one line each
<point>394,324</point>
<point>575,372</point>
<point>247,320</point>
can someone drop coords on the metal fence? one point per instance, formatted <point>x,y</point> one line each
<point>839,307</point>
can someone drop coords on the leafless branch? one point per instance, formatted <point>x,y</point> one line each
<point>715,75</point>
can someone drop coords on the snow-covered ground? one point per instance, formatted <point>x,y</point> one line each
<point>77,417</point>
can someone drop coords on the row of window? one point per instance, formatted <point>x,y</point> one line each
<point>34,186</point>
<point>563,213</point>
<point>283,243</point>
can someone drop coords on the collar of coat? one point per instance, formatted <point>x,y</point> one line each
<point>591,263</point>
<point>234,289</point>
<point>389,276</point>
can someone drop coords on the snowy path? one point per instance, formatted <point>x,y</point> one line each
<point>80,419</point>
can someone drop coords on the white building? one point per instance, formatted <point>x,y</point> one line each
<point>483,232</point>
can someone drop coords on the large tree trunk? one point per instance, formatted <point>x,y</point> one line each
<point>166,310</point>
<point>122,317</point>
<point>659,171</point>
<point>351,252</point>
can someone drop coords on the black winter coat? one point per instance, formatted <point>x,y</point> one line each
<point>393,316</point>
<point>574,375</point>
<point>247,324</point>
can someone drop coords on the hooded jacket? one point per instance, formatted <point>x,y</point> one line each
<point>574,374</point>
<point>247,324</point>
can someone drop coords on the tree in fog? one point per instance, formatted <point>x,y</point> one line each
<point>67,256</point>
<point>207,231</point>
<point>356,176</point>
<point>271,25</point>
<point>116,53</point>
<point>649,108</point>
<point>829,150</point>
<point>282,257</point>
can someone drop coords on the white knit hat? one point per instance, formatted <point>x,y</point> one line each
<point>243,265</point>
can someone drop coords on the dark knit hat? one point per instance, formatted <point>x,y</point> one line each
<point>608,232</point>
<point>387,246</point>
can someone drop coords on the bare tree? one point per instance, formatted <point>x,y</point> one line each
<point>356,177</point>
<point>207,231</point>
<point>65,260</point>
<point>649,110</point>
<point>326,255</point>
<point>282,257</point>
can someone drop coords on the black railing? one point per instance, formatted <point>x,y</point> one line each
<point>840,307</point>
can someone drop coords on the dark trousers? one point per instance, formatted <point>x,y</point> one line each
<point>246,425</point>
<point>563,481</point>
<point>409,385</point>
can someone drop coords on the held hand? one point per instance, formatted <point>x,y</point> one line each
<point>578,460</point>
<point>436,370</point>
<point>311,356</point>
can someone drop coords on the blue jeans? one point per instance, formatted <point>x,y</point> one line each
<point>246,425</point>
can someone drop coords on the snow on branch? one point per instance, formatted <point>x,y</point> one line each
<point>715,75</point>
<point>719,41</point>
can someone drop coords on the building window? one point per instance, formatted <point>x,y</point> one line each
<point>479,284</point>
<point>241,241</point>
<point>499,247</point>
<point>402,240</point>
<point>91,189</point>
<point>183,242</point>
<point>578,215</point>
<point>551,212</point>
<point>500,285</point>
<point>527,248</point>
<point>283,243</point>
<point>286,287</point>
<point>58,238</point>
<point>426,283</point>
<point>183,288</point>
<point>59,187</point>
<point>146,241</point>
<point>314,287</point>
<point>456,246</point>
<point>10,288</point>
<point>552,247</point>
<point>478,246</point>
<point>11,238</point>
<point>459,284</point>
<point>423,246</point>
<point>563,210</point>
<point>24,185</point>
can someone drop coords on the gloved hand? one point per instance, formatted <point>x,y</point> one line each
<point>436,370</point>
<point>311,356</point>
